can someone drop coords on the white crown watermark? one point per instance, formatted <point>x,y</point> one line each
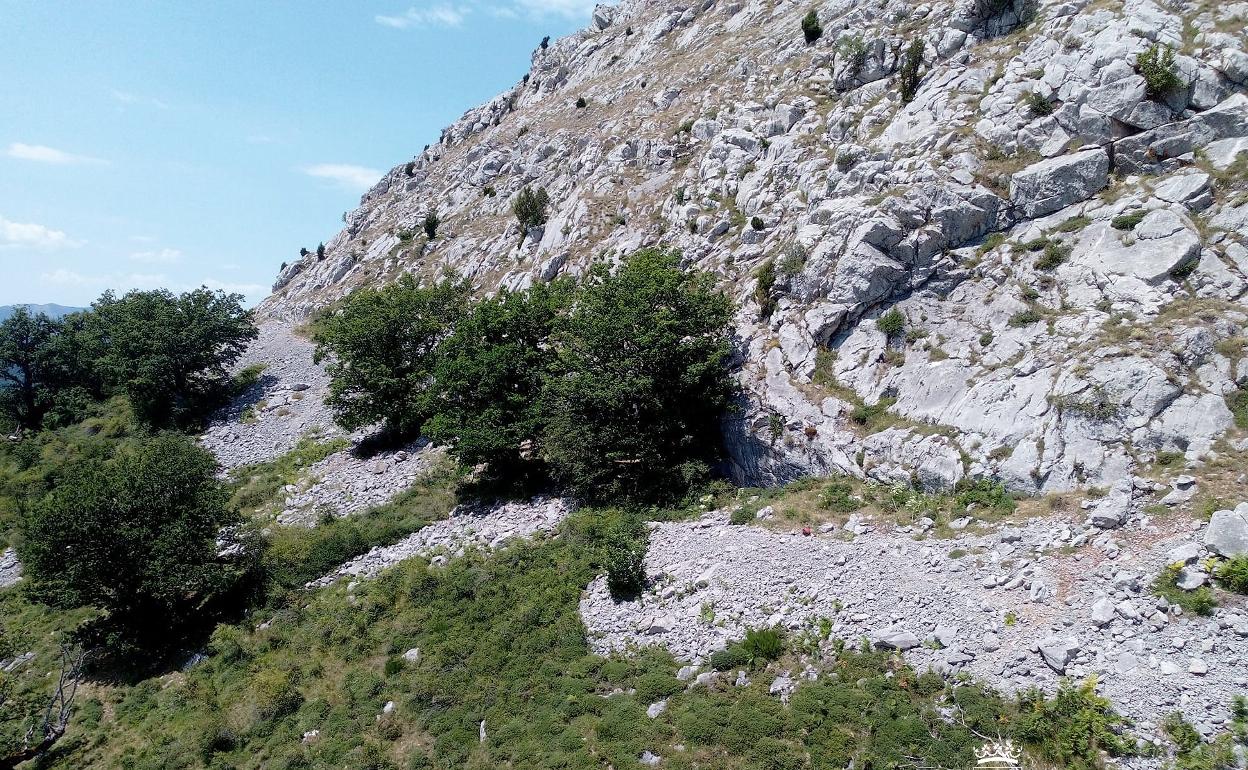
<point>1000,754</point>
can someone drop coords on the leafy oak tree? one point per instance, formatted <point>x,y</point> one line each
<point>169,354</point>
<point>28,369</point>
<point>135,535</point>
<point>488,380</point>
<point>380,349</point>
<point>633,410</point>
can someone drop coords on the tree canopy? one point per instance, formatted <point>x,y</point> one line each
<point>488,380</point>
<point>634,410</point>
<point>169,354</point>
<point>616,387</point>
<point>134,534</point>
<point>380,352</point>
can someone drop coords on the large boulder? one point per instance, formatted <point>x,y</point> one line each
<point>1054,184</point>
<point>1227,533</point>
<point>1058,652</point>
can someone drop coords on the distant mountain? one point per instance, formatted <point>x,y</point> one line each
<point>54,311</point>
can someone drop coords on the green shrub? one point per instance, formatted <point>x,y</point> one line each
<point>624,557</point>
<point>1025,318</point>
<point>985,493</point>
<point>1198,602</point>
<point>854,50</point>
<point>1038,105</point>
<point>656,685</point>
<point>1127,221</point>
<point>765,281</point>
<point>1237,402</point>
<point>581,103</point>
<point>1160,72</point>
<point>1073,728</point>
<point>838,496</point>
<point>812,30</point>
<point>763,644</point>
<point>908,73</point>
<point>530,207</point>
<point>1055,253</point>
<point>870,414</point>
<point>891,323</point>
<point>1234,574</point>
<point>756,223</point>
<point>742,515</point>
<point>731,657</point>
<point>431,223</point>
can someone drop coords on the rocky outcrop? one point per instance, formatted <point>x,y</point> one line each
<point>1032,211</point>
<point>1017,605</point>
<point>10,568</point>
<point>1227,534</point>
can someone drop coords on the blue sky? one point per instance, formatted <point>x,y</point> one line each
<point>179,144</point>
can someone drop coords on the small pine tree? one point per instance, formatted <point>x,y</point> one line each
<point>1161,74</point>
<point>811,28</point>
<point>320,251</point>
<point>303,252</point>
<point>530,207</point>
<point>908,73</point>
<point>431,224</point>
<point>581,103</point>
<point>545,42</point>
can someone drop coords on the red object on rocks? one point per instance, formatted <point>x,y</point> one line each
<point>806,531</point>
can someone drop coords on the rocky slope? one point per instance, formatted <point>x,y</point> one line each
<point>714,128</point>
<point>1010,605</point>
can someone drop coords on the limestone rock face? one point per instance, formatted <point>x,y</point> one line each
<point>1052,234</point>
<point>1227,533</point>
<point>1054,184</point>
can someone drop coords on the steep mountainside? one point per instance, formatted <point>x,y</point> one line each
<point>1064,239</point>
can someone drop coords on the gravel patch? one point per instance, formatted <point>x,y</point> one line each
<point>479,526</point>
<point>1013,611</point>
<point>10,568</point>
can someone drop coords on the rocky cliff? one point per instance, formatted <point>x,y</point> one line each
<point>1066,243</point>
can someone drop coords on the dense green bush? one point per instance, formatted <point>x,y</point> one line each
<point>624,558</point>
<point>530,207</point>
<point>379,349</point>
<point>633,413</point>
<point>908,72</point>
<point>1127,221</point>
<point>763,644</point>
<point>32,368</point>
<point>812,30</point>
<point>1160,72</point>
<point>1233,573</point>
<point>487,383</point>
<point>839,496</point>
<point>1074,727</point>
<point>134,534</point>
<point>1037,104</point>
<point>854,49</point>
<point>985,493</point>
<point>732,656</point>
<point>891,323</point>
<point>765,282</point>
<point>430,224</point>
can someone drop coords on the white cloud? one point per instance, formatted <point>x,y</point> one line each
<point>28,235</point>
<point>354,178</point>
<point>441,15</point>
<point>158,256</point>
<point>44,154</point>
